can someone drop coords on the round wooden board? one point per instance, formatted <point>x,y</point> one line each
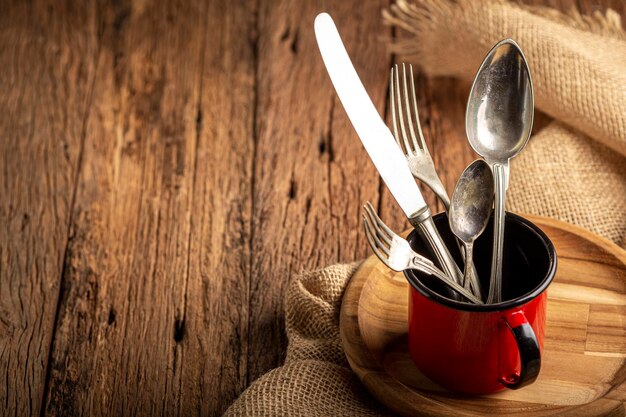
<point>584,363</point>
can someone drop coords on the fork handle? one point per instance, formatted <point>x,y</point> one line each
<point>424,223</point>
<point>437,187</point>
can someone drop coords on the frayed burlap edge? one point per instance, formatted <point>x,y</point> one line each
<point>419,16</point>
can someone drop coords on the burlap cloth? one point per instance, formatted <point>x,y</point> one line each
<point>574,170</point>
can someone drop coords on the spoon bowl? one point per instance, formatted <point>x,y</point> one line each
<point>470,210</point>
<point>470,206</point>
<point>499,115</point>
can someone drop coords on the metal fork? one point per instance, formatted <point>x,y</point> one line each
<point>396,253</point>
<point>419,160</point>
<point>417,155</point>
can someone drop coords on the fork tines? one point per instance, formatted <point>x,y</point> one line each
<point>378,235</point>
<point>396,253</point>
<point>399,98</point>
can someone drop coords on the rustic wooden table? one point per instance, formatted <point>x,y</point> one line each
<point>167,167</point>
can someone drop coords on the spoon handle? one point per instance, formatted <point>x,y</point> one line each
<point>495,282</point>
<point>469,273</point>
<point>472,274</point>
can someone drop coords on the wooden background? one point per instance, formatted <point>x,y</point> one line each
<point>166,168</point>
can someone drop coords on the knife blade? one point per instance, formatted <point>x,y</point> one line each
<point>378,140</point>
<point>371,129</point>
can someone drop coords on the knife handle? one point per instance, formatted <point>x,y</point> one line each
<point>424,223</point>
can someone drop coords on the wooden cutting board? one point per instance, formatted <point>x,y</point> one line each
<point>584,363</point>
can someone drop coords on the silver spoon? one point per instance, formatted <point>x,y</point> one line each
<point>470,209</point>
<point>498,123</point>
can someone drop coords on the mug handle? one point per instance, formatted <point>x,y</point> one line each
<point>529,352</point>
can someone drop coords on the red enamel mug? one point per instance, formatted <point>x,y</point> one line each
<point>481,349</point>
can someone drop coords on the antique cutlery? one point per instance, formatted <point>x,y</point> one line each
<point>378,140</point>
<point>396,252</point>
<point>415,150</point>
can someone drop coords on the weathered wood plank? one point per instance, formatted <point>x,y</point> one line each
<point>48,53</point>
<point>123,288</point>
<point>154,304</point>
<point>311,173</point>
<point>213,370</point>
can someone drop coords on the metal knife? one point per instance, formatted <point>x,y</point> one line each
<point>378,140</point>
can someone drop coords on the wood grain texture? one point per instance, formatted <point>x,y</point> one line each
<point>145,286</point>
<point>122,310</point>
<point>584,360</point>
<point>214,345</point>
<point>48,54</point>
<point>166,168</point>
